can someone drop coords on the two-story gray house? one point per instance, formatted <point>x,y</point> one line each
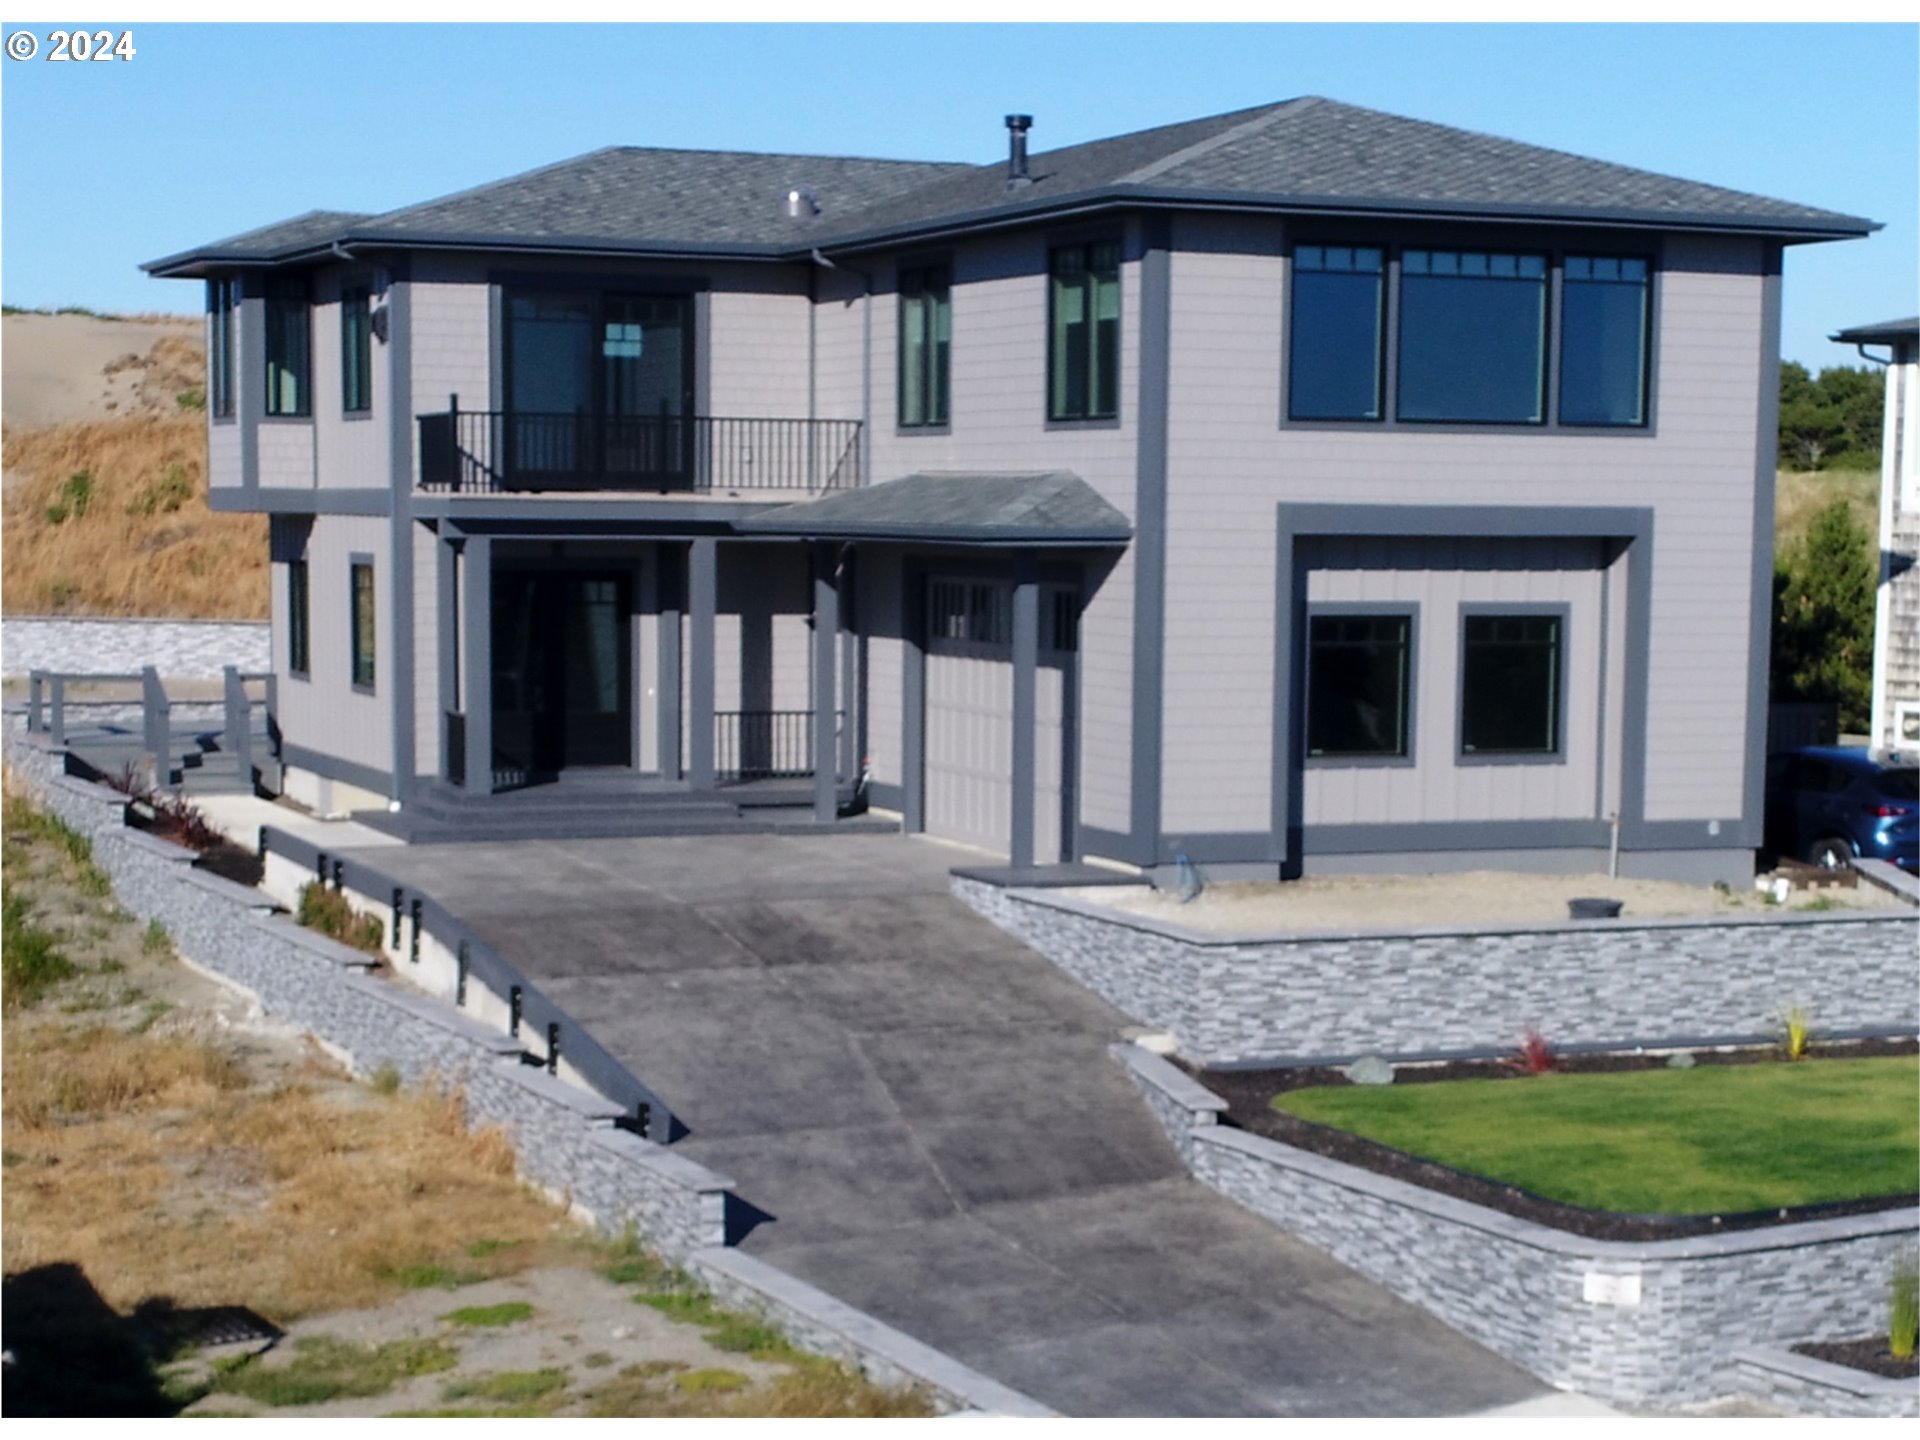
<point>1304,488</point>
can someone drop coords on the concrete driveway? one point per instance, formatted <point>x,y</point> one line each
<point>926,1113</point>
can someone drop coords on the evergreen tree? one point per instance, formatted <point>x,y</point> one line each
<point>1823,617</point>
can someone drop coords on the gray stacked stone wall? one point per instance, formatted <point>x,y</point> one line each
<point>1629,1323</point>
<point>566,1138</point>
<point>1232,1000</point>
<point>178,649</point>
<point>1782,1380</point>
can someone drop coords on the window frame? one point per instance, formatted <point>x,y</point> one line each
<point>1383,343</point>
<point>1648,349</point>
<point>223,313</point>
<point>299,619</point>
<point>1545,360</point>
<point>357,658</point>
<point>1527,609</point>
<point>356,342</point>
<point>1409,610</point>
<point>920,270</point>
<point>1396,240</point>
<point>274,309</point>
<point>1093,419</point>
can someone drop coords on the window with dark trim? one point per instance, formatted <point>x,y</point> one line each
<point>356,349</point>
<point>289,334</point>
<point>1083,345</point>
<point>926,344</point>
<point>223,299</point>
<point>1605,306</point>
<point>363,625</point>
<point>1510,677</point>
<point>1338,333</point>
<point>1473,337</point>
<point>299,619</point>
<point>1359,670</point>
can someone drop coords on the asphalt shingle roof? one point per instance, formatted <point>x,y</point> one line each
<point>1308,155</point>
<point>1881,333</point>
<point>1055,506</point>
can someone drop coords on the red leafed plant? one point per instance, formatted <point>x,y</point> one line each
<point>1536,1056</point>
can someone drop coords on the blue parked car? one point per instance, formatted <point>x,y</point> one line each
<point>1827,804</point>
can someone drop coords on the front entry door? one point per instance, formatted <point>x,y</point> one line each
<point>562,672</point>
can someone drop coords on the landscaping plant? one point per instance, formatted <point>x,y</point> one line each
<point>1903,1324</point>
<point>1536,1056</point>
<point>328,912</point>
<point>1797,1022</point>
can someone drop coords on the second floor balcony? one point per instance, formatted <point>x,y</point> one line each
<point>514,451</point>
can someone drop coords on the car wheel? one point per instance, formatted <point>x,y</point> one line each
<point>1832,853</point>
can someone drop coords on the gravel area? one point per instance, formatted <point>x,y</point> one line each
<point>1479,897</point>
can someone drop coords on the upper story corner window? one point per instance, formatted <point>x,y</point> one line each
<point>1083,352</point>
<point>1338,329</point>
<point>356,349</point>
<point>223,301</point>
<point>1605,303</point>
<point>926,344</point>
<point>1473,337</point>
<point>289,325</point>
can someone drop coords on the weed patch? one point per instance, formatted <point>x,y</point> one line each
<point>509,1387</point>
<point>480,1317</point>
<point>328,912</point>
<point>324,1368</point>
<point>31,962</point>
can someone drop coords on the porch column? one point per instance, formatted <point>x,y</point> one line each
<point>446,605</point>
<point>1026,659</point>
<point>703,590</point>
<point>476,653</point>
<point>826,640</point>
<point>669,576</point>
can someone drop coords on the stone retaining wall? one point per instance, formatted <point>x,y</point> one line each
<point>1609,983</point>
<point>178,649</point>
<point>1629,1323</point>
<point>1799,1383</point>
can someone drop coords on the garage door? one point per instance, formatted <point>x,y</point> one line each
<point>969,715</point>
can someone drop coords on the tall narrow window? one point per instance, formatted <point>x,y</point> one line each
<point>1510,685</point>
<point>356,349</point>
<point>1604,306</point>
<point>926,342</point>
<point>223,298</point>
<point>299,621</point>
<point>1083,356</point>
<point>1473,337</point>
<point>1358,669</point>
<point>289,350</point>
<point>1338,324</point>
<point>363,624</point>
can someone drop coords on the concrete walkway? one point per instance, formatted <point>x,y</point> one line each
<point>926,1112</point>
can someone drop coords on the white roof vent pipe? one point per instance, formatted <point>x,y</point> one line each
<point>1017,127</point>
<point>801,204</point>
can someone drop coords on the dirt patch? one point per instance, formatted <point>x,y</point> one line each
<point>1347,903</point>
<point>1870,1355</point>
<point>62,368</point>
<point>1249,1095</point>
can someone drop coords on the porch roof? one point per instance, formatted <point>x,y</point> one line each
<point>1034,507</point>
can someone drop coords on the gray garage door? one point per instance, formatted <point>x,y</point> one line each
<point>969,716</point>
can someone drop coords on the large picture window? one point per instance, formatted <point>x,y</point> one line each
<point>1339,322</point>
<point>1359,673</point>
<point>1510,683</point>
<point>1473,337</point>
<point>223,300</point>
<point>362,620</point>
<point>926,345</point>
<point>356,349</point>
<point>1604,308</point>
<point>1083,352</point>
<point>299,619</point>
<point>289,316</point>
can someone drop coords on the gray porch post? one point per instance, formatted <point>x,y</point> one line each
<point>446,606</point>
<point>826,640</point>
<point>1026,659</point>
<point>703,592</point>
<point>476,653</point>
<point>669,576</point>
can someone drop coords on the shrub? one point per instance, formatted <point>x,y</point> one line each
<point>173,817</point>
<point>1536,1056</point>
<point>1903,1324</point>
<point>328,912</point>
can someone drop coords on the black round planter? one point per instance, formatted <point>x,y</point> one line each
<point>1593,908</point>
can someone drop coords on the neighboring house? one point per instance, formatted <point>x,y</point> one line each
<point>1299,488</point>
<point>1896,608</point>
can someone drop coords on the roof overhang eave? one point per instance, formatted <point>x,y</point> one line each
<point>993,536</point>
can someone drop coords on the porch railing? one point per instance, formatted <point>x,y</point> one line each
<point>50,709</point>
<point>763,744</point>
<point>486,451</point>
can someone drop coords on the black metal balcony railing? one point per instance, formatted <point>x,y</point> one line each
<point>762,744</point>
<point>483,451</point>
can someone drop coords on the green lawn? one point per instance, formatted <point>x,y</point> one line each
<point>1672,1142</point>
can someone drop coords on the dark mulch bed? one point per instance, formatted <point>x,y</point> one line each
<point>1870,1355</point>
<point>1248,1093</point>
<point>233,862</point>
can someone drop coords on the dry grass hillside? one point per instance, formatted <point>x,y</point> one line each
<point>105,455</point>
<point>1802,496</point>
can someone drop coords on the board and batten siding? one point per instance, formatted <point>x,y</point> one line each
<point>1232,463</point>
<point>324,712</point>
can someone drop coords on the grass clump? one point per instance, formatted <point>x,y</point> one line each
<point>31,961</point>
<point>156,941</point>
<point>485,1317</point>
<point>710,1380</point>
<point>324,1368</point>
<point>509,1387</point>
<point>25,819</point>
<point>430,1276</point>
<point>328,912</point>
<point>1710,1140</point>
<point>385,1080</point>
<point>1903,1320</point>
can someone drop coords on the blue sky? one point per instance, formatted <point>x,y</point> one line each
<point>213,129</point>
